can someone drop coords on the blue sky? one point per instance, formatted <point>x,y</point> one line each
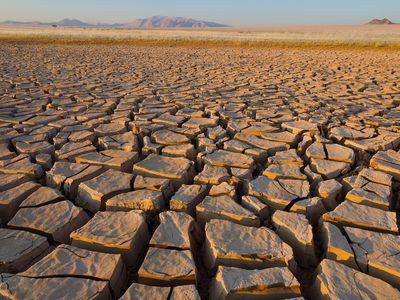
<point>232,12</point>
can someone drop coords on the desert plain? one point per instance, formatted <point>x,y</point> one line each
<point>196,172</point>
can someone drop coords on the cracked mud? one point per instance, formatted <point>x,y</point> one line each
<point>177,173</point>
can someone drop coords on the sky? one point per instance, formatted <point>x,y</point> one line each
<point>240,13</point>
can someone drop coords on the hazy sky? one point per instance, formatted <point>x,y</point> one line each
<point>232,12</point>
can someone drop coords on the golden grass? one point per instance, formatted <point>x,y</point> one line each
<point>383,38</point>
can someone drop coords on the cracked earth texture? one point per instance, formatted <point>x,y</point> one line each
<point>176,173</point>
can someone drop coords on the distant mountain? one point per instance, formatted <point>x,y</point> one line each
<point>152,22</point>
<point>172,22</point>
<point>70,22</point>
<point>65,23</point>
<point>17,23</point>
<point>380,22</point>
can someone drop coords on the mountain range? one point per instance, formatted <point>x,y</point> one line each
<point>151,22</point>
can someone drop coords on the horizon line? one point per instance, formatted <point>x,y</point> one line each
<point>203,20</point>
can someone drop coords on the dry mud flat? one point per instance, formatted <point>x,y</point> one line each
<point>176,173</point>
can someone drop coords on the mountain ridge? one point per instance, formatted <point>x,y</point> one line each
<point>151,22</point>
<point>384,21</point>
<point>172,22</point>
